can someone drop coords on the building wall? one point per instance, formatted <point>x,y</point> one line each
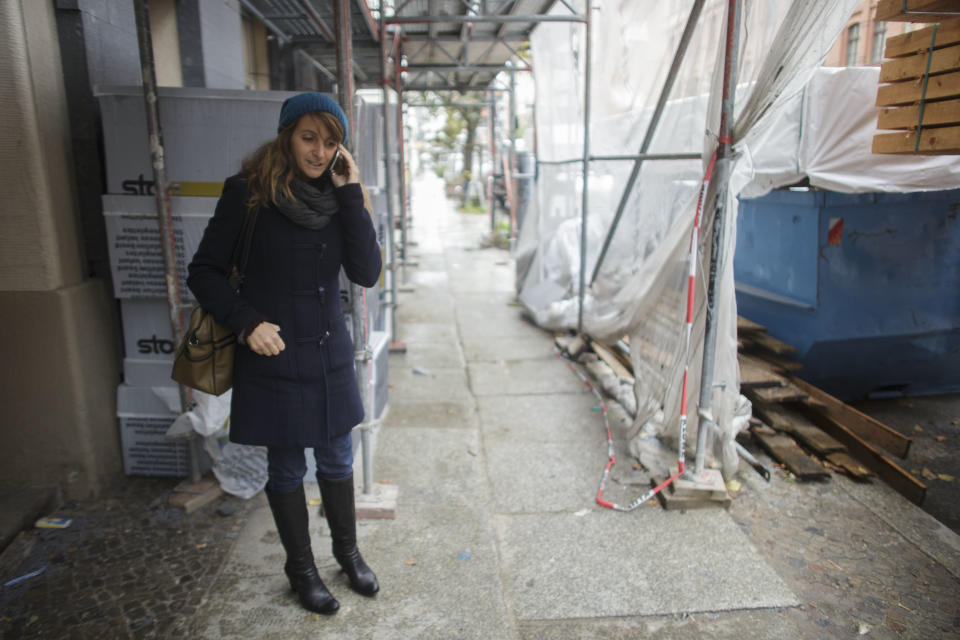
<point>868,50</point>
<point>221,33</point>
<point>110,32</point>
<point>166,43</point>
<point>58,384</point>
<point>256,59</point>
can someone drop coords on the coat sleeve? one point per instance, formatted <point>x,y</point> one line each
<point>209,271</point>
<point>361,253</point>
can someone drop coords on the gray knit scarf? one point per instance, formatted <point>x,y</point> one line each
<point>314,206</point>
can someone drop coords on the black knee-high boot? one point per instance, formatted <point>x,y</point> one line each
<point>290,514</point>
<point>340,509</point>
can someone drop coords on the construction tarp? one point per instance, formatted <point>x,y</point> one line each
<point>640,289</point>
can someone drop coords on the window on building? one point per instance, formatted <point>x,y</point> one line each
<point>879,41</point>
<point>255,56</point>
<point>853,44</point>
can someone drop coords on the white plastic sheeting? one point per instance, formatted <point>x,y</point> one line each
<point>640,290</point>
<point>824,134</point>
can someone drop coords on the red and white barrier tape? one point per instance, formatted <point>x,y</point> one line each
<point>691,284</point>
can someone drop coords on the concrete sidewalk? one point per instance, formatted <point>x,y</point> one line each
<point>497,454</point>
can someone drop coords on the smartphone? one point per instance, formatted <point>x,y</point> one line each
<point>338,164</point>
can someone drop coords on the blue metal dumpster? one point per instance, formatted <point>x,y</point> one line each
<point>866,286</point>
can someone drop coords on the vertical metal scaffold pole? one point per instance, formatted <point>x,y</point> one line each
<point>512,128</point>
<point>651,129</point>
<point>492,99</point>
<point>391,248</point>
<point>162,194</point>
<point>722,176</point>
<point>398,80</point>
<point>586,173</point>
<point>358,311</point>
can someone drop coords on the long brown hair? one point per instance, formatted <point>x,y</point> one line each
<point>272,167</point>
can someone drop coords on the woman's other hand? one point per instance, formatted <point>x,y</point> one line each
<point>265,340</point>
<point>351,175</point>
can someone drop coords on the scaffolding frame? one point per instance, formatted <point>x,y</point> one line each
<point>303,25</point>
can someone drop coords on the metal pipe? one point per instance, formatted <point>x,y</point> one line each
<point>652,156</point>
<point>387,168</point>
<point>403,178</point>
<point>493,166</point>
<point>317,20</point>
<point>482,19</point>
<point>162,198</point>
<point>448,87</point>
<point>447,68</point>
<point>716,254</point>
<point>651,129</point>
<point>513,153</point>
<point>478,105</point>
<point>281,36</point>
<point>358,310</point>
<point>586,173</point>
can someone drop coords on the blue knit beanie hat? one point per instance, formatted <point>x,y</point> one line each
<point>304,103</point>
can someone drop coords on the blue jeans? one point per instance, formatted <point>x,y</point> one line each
<point>286,466</point>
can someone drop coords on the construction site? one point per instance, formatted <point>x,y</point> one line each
<point>663,344</point>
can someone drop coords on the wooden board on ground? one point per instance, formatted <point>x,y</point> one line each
<point>784,450</point>
<point>893,10</point>
<point>612,361</point>
<point>778,363</point>
<point>945,85</point>
<point>673,502</point>
<point>797,425</point>
<point>768,342</point>
<point>865,427</point>
<point>888,470</point>
<point>934,141</point>
<point>934,114</point>
<point>756,373</point>
<point>851,466</point>
<point>918,65</point>
<point>748,326</point>
<point>906,44</point>
<point>772,395</point>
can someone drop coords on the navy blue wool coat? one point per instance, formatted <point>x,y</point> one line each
<point>307,394</point>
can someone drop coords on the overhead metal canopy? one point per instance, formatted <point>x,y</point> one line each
<point>442,45</point>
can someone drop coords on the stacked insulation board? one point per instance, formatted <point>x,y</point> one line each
<point>920,91</point>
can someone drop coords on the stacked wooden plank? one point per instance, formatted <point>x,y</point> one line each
<point>917,10</point>
<point>809,431</point>
<point>921,94</point>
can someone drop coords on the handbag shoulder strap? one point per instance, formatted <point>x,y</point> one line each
<point>241,251</point>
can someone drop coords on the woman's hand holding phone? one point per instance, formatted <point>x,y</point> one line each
<point>344,168</point>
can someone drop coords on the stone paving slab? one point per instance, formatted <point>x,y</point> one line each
<point>542,418</point>
<point>601,564</point>
<point>430,311</point>
<point>427,354</point>
<point>494,323</point>
<point>512,377</point>
<point>436,583</point>
<point>485,349</point>
<point>439,415</point>
<point>422,277</point>
<point>754,624</point>
<point>534,477</point>
<point>452,474</point>
<point>435,332</point>
<point>436,385</point>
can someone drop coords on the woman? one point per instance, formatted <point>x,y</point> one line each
<point>294,384</point>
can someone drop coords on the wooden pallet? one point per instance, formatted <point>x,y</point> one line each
<point>928,10</point>
<point>923,92</point>
<point>785,450</point>
<point>817,422</point>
